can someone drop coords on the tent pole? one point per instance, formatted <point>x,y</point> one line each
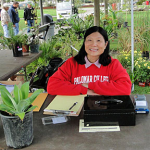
<point>132,44</point>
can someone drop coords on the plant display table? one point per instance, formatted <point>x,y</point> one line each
<point>10,65</point>
<point>66,136</point>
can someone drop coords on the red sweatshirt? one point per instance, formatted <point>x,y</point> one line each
<point>106,80</point>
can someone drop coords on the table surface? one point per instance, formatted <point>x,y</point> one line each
<point>66,136</point>
<point>10,65</point>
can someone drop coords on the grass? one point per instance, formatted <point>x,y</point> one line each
<point>51,12</point>
<point>141,90</point>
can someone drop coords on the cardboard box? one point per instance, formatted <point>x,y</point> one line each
<point>18,83</point>
<point>109,111</point>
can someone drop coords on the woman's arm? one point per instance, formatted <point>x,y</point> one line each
<point>119,82</point>
<point>60,82</point>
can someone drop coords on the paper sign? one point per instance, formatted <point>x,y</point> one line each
<point>82,128</point>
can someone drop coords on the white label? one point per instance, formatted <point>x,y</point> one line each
<point>19,49</point>
<point>141,112</point>
<point>140,103</point>
<point>59,120</point>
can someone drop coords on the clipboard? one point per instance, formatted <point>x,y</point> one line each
<point>61,104</point>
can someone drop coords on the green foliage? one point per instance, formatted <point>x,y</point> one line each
<point>49,51</point>
<point>13,39</point>
<point>140,2</point>
<point>141,66</point>
<point>78,24</point>
<point>109,22</point>
<point>20,103</point>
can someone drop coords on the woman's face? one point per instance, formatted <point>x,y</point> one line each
<point>94,46</point>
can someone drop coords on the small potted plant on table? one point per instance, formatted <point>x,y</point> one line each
<point>17,115</point>
<point>33,39</point>
<point>14,42</point>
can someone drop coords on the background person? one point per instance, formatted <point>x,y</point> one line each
<point>92,71</point>
<point>14,16</point>
<point>29,16</point>
<point>5,19</point>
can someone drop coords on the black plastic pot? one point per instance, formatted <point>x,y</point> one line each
<point>125,24</point>
<point>18,133</point>
<point>34,48</point>
<point>17,50</point>
<point>145,54</point>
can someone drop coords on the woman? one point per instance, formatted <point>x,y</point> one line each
<point>92,71</point>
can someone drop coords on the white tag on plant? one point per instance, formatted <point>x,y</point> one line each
<point>19,49</point>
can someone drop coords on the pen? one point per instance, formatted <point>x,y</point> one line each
<point>73,105</point>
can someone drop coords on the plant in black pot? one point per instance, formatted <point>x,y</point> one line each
<point>17,115</point>
<point>33,39</point>
<point>14,42</point>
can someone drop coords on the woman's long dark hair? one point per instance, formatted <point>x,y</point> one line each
<point>104,58</point>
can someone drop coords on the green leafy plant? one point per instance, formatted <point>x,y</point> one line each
<point>141,66</point>
<point>13,39</point>
<point>142,69</point>
<point>20,103</point>
<point>33,37</point>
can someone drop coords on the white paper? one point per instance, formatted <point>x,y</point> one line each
<point>59,120</point>
<point>19,49</point>
<point>140,103</point>
<point>10,88</point>
<point>82,128</point>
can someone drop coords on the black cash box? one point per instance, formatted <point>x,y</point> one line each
<point>109,111</point>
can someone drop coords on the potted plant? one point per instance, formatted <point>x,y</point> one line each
<point>17,115</point>
<point>141,69</point>
<point>14,42</point>
<point>25,46</point>
<point>33,39</point>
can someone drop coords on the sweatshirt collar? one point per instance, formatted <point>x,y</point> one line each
<point>88,64</point>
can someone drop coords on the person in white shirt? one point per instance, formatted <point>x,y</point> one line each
<point>5,19</point>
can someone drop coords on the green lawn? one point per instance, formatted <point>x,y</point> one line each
<point>52,12</point>
<point>141,90</point>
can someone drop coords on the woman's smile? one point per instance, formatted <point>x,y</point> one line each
<point>94,46</point>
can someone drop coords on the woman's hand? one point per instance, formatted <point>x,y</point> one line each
<point>85,85</point>
<point>91,92</point>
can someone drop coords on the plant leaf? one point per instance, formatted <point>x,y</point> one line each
<point>4,95</point>
<point>31,108</point>
<point>21,115</point>
<point>7,109</point>
<point>25,90</point>
<point>8,99</point>
<point>17,94</point>
<point>22,105</point>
